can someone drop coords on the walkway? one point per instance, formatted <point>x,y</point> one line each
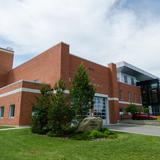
<point>6,129</point>
<point>138,129</point>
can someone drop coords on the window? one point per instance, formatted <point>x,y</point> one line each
<point>12,110</point>
<point>100,107</point>
<point>154,86</point>
<point>130,97</point>
<point>134,97</point>
<point>132,81</point>
<point>153,89</point>
<point>120,95</point>
<point>154,95</point>
<point>125,79</point>
<point>1,111</point>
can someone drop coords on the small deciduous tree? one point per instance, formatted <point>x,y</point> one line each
<point>82,93</point>
<point>146,110</point>
<point>132,108</point>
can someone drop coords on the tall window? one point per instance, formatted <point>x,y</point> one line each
<point>12,110</point>
<point>100,107</point>
<point>130,96</point>
<point>134,97</point>
<point>1,111</point>
<point>154,93</point>
<point>125,79</point>
<point>132,81</point>
<point>120,95</point>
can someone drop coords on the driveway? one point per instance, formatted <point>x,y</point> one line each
<point>138,129</point>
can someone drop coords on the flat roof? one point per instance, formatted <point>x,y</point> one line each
<point>6,50</point>
<point>127,68</point>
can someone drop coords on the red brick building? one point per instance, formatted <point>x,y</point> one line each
<point>115,86</point>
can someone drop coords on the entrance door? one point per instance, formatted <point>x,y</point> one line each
<point>101,108</point>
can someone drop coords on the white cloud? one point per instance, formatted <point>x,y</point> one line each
<point>96,30</point>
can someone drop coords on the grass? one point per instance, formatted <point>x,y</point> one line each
<point>23,145</point>
<point>4,127</point>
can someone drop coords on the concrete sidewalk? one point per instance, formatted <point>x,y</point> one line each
<point>138,129</point>
<point>6,129</point>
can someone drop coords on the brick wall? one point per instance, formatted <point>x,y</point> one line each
<point>49,67</point>
<point>99,75</point>
<point>23,102</point>
<point>44,68</point>
<point>128,89</point>
<point>6,62</point>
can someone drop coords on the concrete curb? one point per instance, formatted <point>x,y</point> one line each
<point>146,134</point>
<point>129,124</point>
<point>7,129</point>
<point>141,122</point>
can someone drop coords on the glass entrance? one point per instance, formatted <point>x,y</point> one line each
<point>100,108</point>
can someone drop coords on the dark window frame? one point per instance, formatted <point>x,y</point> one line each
<point>12,111</point>
<point>1,113</point>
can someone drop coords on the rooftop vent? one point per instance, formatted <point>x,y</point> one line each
<point>9,48</point>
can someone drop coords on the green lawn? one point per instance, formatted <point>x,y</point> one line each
<point>23,145</point>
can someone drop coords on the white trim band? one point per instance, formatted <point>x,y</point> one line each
<point>30,90</point>
<point>66,91</point>
<point>101,95</point>
<point>124,102</point>
<point>113,99</point>
<point>20,81</point>
<point>10,92</point>
<point>20,90</point>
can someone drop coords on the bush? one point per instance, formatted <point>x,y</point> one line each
<point>112,136</point>
<point>66,132</point>
<point>107,132</point>
<point>94,134</point>
<point>80,136</point>
<point>51,134</point>
<point>70,130</point>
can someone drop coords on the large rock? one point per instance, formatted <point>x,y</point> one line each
<point>90,123</point>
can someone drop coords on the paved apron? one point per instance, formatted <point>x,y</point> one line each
<point>138,129</point>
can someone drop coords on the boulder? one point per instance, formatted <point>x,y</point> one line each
<point>90,123</point>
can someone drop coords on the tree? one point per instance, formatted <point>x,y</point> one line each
<point>146,110</point>
<point>82,93</point>
<point>60,113</point>
<point>132,109</point>
<point>40,110</point>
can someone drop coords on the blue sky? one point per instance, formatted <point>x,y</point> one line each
<point>143,6</point>
<point>103,31</point>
